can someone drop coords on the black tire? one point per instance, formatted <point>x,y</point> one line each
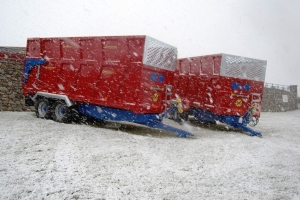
<point>43,108</point>
<point>74,115</point>
<point>61,112</point>
<point>253,122</point>
<point>184,116</point>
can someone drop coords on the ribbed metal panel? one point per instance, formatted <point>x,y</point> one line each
<point>159,54</point>
<point>241,67</point>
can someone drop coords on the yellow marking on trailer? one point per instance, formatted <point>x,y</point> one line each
<point>155,97</point>
<point>238,103</point>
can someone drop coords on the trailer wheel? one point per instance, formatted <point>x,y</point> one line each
<point>184,116</point>
<point>43,108</point>
<point>253,121</point>
<point>61,112</point>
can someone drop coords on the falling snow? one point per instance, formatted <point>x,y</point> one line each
<point>42,159</point>
<point>60,86</point>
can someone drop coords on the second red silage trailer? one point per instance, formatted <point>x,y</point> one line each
<point>221,87</point>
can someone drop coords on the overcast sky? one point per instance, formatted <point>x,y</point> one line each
<point>261,29</point>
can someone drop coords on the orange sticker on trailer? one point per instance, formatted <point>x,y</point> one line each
<point>108,72</point>
<point>49,67</point>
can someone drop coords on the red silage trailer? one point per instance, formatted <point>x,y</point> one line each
<point>122,78</point>
<point>221,87</point>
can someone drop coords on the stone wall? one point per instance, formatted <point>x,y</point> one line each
<point>11,97</point>
<point>277,98</point>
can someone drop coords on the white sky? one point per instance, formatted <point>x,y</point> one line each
<point>267,30</point>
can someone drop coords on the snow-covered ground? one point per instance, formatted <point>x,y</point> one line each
<point>42,159</point>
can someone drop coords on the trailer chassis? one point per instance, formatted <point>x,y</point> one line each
<point>61,109</point>
<point>238,122</point>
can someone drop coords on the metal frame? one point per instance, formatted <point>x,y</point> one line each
<point>54,96</point>
<point>242,67</point>
<point>154,50</point>
<point>234,121</point>
<point>113,114</point>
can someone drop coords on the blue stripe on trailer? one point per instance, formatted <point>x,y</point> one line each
<point>113,114</point>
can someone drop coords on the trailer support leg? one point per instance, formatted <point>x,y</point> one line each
<point>180,133</point>
<point>247,129</point>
